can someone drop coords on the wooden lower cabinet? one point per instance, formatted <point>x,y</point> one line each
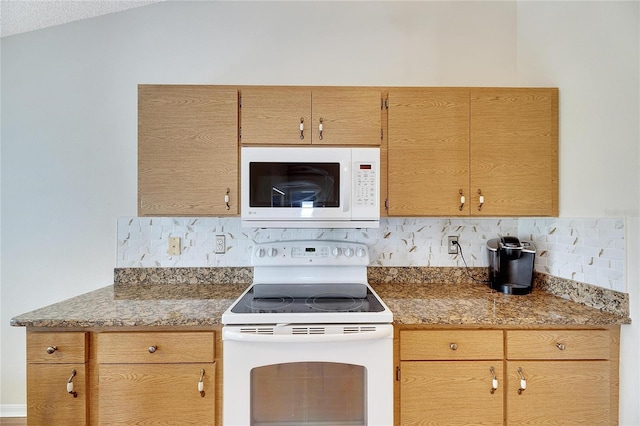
<point>451,393</point>
<point>124,377</point>
<point>146,378</point>
<point>558,393</point>
<point>54,360</point>
<point>145,394</point>
<point>543,376</point>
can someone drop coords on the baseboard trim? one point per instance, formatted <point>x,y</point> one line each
<point>13,410</point>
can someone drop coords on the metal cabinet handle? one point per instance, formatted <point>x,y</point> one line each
<point>201,383</point>
<point>301,128</point>
<point>51,349</point>
<point>462,200</point>
<point>320,128</point>
<point>494,380</point>
<point>70,384</point>
<point>226,199</point>
<point>153,348</point>
<point>453,346</point>
<point>480,199</point>
<point>523,382</point>
<point>561,346</point>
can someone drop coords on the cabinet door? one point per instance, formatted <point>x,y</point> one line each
<point>450,393</point>
<point>156,393</point>
<point>514,151</point>
<point>187,150</point>
<point>273,116</point>
<point>349,116</point>
<point>428,152</point>
<point>559,392</point>
<point>48,402</point>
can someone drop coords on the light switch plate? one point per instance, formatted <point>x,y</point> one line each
<point>174,246</point>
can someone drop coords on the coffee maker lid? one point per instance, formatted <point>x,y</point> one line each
<point>511,243</point>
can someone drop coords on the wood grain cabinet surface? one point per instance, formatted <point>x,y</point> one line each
<point>285,115</point>
<point>53,360</point>
<point>156,377</point>
<point>510,377</point>
<point>187,150</point>
<point>570,377</point>
<point>478,152</point>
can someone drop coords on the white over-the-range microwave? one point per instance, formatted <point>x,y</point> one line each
<point>310,187</point>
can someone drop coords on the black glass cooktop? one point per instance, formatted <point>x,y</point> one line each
<point>319,302</point>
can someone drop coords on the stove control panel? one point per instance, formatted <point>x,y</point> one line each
<point>310,252</point>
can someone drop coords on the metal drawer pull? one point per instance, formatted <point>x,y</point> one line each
<point>51,349</point>
<point>152,349</point>
<point>201,383</point>
<point>453,346</point>
<point>70,384</point>
<point>523,382</point>
<point>480,199</point>
<point>226,199</point>
<point>321,127</point>
<point>301,128</point>
<point>462,200</point>
<point>561,346</point>
<point>494,381</point>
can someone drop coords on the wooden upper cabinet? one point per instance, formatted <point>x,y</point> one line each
<point>292,116</point>
<point>428,151</point>
<point>514,151</point>
<point>187,150</point>
<point>274,115</point>
<point>349,116</point>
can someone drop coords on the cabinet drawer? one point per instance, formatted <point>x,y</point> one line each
<point>558,344</point>
<point>65,347</point>
<point>155,347</point>
<point>451,344</point>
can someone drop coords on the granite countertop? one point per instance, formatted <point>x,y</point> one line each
<point>202,305</point>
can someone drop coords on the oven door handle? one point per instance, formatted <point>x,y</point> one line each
<point>244,336</point>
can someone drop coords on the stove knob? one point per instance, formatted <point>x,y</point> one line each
<point>260,252</point>
<point>360,252</point>
<point>348,252</point>
<point>272,252</point>
<point>336,251</point>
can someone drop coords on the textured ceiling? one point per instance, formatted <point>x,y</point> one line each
<point>20,16</point>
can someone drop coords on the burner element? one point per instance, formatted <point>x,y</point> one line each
<point>266,305</point>
<point>335,303</point>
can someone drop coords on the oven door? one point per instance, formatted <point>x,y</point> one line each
<point>308,375</point>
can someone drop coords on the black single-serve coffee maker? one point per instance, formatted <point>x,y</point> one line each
<point>511,265</point>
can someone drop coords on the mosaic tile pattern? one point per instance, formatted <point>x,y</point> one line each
<point>591,251</point>
<point>585,250</point>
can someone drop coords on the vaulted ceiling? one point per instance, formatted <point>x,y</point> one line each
<point>20,16</point>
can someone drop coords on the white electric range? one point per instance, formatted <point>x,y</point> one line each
<point>309,342</point>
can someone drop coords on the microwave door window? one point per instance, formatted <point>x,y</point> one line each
<point>294,185</point>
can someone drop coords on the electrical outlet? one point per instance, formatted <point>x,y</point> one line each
<point>174,246</point>
<point>220,246</point>
<point>453,244</point>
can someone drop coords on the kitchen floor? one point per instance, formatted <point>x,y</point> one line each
<point>13,421</point>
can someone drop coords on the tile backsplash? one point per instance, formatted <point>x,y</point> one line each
<point>585,250</point>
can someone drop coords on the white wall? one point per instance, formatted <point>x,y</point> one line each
<point>69,115</point>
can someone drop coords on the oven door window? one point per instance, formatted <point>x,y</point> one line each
<point>294,185</point>
<point>308,393</point>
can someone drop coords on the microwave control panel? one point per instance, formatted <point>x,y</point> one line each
<point>365,184</point>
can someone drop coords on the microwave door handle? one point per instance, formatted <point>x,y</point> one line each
<point>346,197</point>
